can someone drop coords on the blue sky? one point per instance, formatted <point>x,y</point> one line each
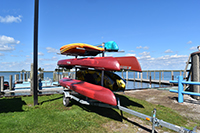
<point>160,33</point>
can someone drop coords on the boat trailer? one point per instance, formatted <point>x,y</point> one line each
<point>68,95</point>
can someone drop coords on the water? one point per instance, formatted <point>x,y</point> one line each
<point>129,84</point>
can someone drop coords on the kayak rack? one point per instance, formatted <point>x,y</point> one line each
<point>68,95</point>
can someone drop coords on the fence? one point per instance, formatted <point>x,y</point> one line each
<point>180,88</point>
<point>153,76</point>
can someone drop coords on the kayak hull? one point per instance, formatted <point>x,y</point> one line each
<point>100,63</point>
<point>92,91</point>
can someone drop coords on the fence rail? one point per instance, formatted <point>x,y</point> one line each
<point>180,88</point>
<point>151,76</point>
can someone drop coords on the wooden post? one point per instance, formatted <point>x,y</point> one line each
<point>21,76</point>
<point>16,77</point>
<point>150,81</point>
<point>172,75</point>
<point>10,82</point>
<point>2,83</point>
<point>54,76</point>
<point>172,79</point>
<point>147,75</point>
<point>126,75</point>
<point>25,77</point>
<point>162,75</point>
<point>138,75</point>
<point>141,76</point>
<point>31,78</point>
<point>122,74</point>
<point>159,77</point>
<point>150,73</point>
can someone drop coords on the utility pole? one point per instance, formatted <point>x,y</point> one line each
<point>35,54</point>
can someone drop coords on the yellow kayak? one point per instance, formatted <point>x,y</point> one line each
<point>80,49</point>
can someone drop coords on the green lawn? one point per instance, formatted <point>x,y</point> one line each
<point>19,115</point>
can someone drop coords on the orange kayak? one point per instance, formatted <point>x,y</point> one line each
<point>80,49</point>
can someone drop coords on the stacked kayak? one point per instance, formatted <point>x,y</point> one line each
<point>95,78</point>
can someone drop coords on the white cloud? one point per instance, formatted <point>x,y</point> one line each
<point>130,54</point>
<point>15,65</point>
<point>169,51</point>
<point>52,50</point>
<point>40,53</point>
<point>189,42</point>
<point>14,55</point>
<point>131,51</point>
<point>6,48</point>
<point>1,54</point>
<point>144,53</point>
<point>193,48</point>
<point>169,62</point>
<point>8,40</point>
<point>145,47</point>
<point>10,19</point>
<point>140,47</point>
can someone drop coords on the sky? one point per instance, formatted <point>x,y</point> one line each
<point>160,33</point>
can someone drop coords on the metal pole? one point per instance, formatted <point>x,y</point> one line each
<point>35,53</point>
<point>10,82</point>
<point>180,89</point>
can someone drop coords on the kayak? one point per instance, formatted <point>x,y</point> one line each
<point>100,63</point>
<point>92,91</point>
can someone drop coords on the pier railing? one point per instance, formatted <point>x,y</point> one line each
<point>180,88</point>
<point>153,76</point>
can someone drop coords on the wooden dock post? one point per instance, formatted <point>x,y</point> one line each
<point>147,74</point>
<point>159,77</point>
<point>126,75</point>
<point>54,76</point>
<point>21,76</point>
<point>25,79</point>
<point>16,77</point>
<point>2,83</point>
<point>122,74</point>
<point>10,82</point>
<point>31,78</point>
<point>150,81</point>
<point>172,75</point>
<point>141,77</point>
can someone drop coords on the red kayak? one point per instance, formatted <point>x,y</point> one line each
<point>100,63</point>
<point>92,91</point>
<point>129,63</point>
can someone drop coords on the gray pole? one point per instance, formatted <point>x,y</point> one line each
<point>2,83</point>
<point>35,53</point>
<point>10,82</point>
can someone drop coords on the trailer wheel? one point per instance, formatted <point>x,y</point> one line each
<point>65,101</point>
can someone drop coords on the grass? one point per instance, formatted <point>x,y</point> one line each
<point>19,115</point>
